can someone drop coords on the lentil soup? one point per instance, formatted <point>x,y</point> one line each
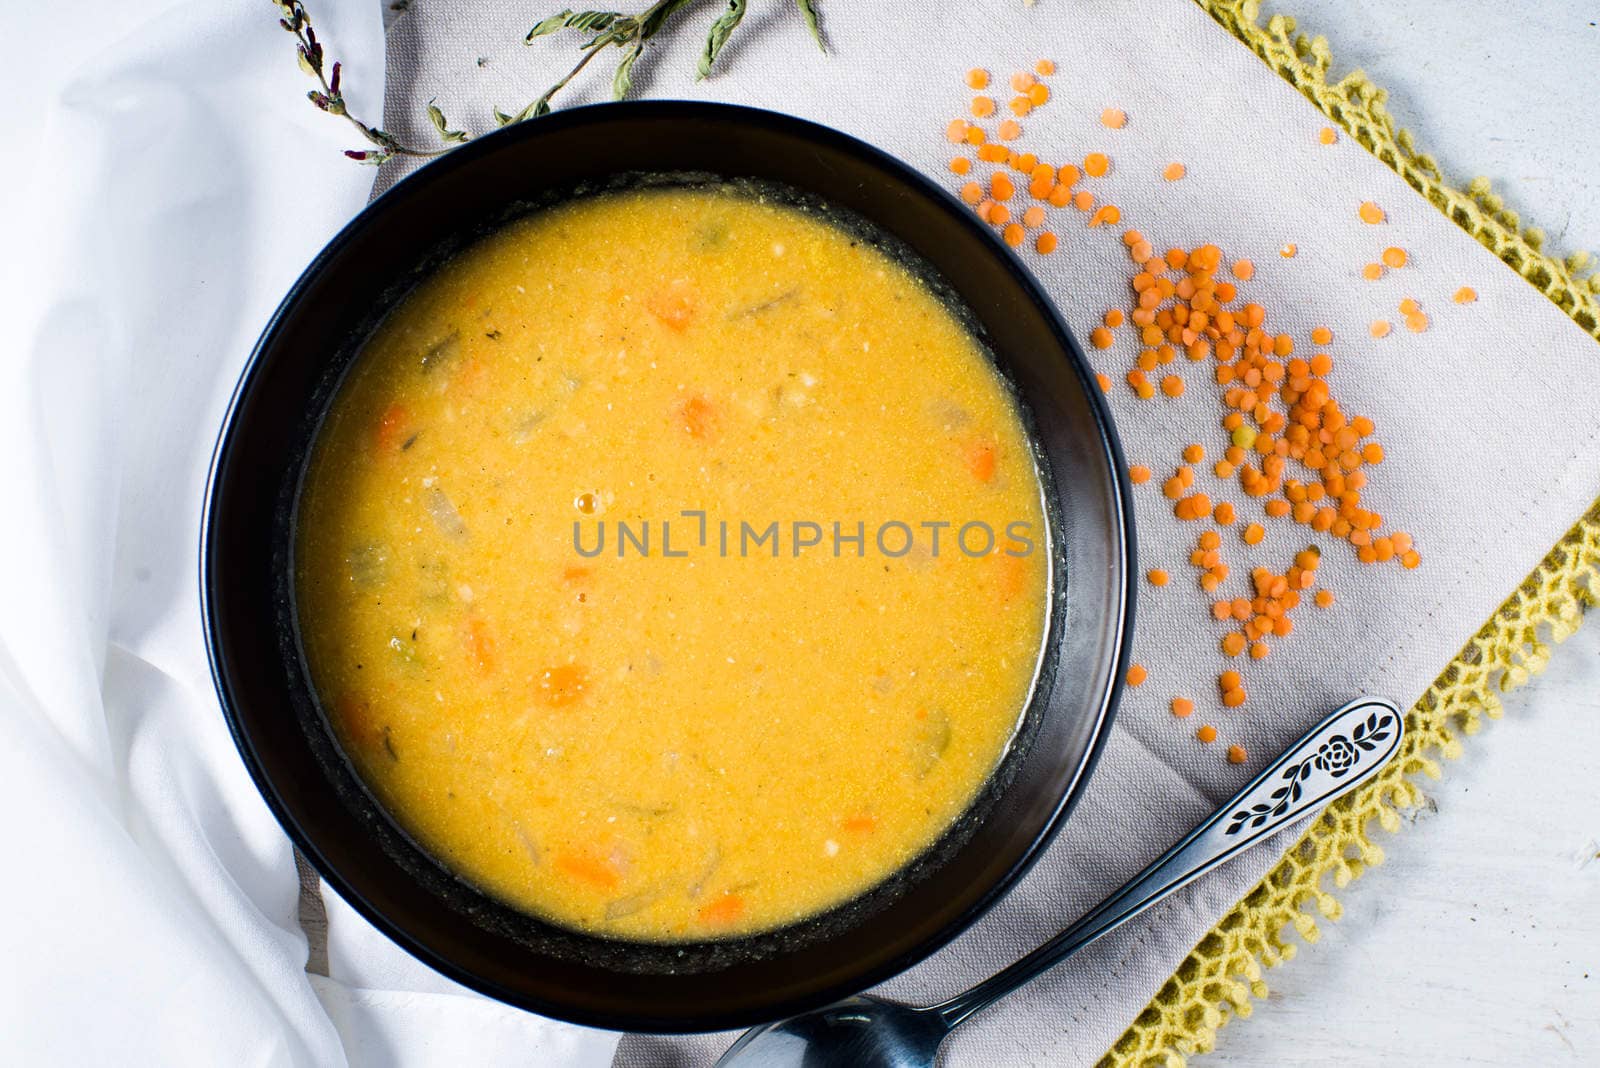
<point>623,573</point>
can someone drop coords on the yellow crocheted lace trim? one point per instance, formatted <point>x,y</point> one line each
<point>1223,973</point>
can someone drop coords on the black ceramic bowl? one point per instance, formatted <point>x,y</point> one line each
<point>285,741</point>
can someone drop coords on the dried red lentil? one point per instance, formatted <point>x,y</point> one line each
<point>1279,407</point>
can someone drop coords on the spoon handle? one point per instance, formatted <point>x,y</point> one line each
<point>1336,756</point>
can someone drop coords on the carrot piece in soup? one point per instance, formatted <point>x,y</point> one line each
<point>394,428</point>
<point>672,307</point>
<point>981,461</point>
<point>698,417</point>
<point>562,685</point>
<point>361,723</point>
<point>598,873</point>
<point>722,911</point>
<point>480,644</point>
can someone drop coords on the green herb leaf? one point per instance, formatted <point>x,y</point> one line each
<point>808,11</point>
<point>436,117</point>
<point>721,29</point>
<point>653,19</point>
<point>573,20</point>
<point>622,81</point>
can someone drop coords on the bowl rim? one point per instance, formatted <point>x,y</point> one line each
<point>1104,705</point>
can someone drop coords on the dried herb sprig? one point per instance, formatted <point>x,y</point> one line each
<point>295,19</point>
<point>629,33</point>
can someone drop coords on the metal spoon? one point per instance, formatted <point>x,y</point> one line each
<point>1338,755</point>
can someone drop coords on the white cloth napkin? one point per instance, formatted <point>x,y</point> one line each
<point>167,182</point>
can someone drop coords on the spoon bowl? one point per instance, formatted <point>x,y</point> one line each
<point>862,1031</point>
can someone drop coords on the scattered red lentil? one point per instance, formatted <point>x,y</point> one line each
<point>1465,295</point>
<point>1022,81</point>
<point>1045,66</point>
<point>1288,251</point>
<point>1173,171</point>
<point>1013,234</point>
<point>1137,674</point>
<point>1207,734</point>
<point>1278,406</point>
<point>1372,272</point>
<point>977,78</point>
<point>982,106</point>
<point>1138,474</point>
<point>1327,136</point>
<point>1237,754</point>
<point>1113,118</point>
<point>960,165</point>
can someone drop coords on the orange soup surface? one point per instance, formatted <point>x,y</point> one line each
<point>642,567</point>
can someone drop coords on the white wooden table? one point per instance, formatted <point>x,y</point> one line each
<point>1478,941</point>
